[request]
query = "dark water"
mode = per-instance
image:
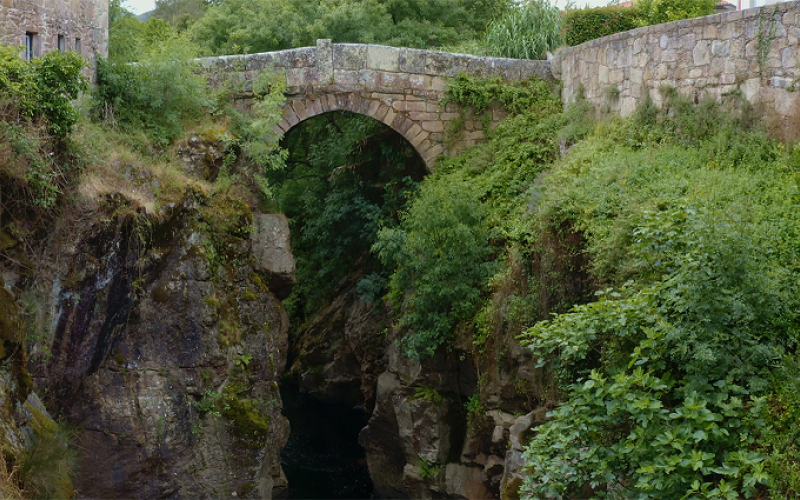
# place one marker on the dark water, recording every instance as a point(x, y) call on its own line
point(322, 459)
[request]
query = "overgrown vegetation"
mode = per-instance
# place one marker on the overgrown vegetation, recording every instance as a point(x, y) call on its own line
point(582, 25)
point(347, 177)
point(527, 31)
point(157, 94)
point(667, 373)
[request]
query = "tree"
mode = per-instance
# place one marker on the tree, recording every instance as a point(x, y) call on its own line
point(180, 13)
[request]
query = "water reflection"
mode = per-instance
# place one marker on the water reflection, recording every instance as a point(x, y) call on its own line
point(322, 459)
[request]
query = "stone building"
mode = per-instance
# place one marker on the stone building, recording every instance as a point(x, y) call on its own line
point(41, 26)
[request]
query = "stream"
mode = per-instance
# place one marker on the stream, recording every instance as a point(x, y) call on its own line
point(322, 459)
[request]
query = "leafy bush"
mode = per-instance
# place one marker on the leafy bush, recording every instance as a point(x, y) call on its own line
point(159, 91)
point(48, 461)
point(582, 25)
point(43, 88)
point(346, 177)
point(441, 256)
point(667, 374)
point(663, 11)
point(248, 26)
point(526, 31)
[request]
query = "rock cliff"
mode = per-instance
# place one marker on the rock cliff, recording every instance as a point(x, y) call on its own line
point(453, 426)
point(166, 350)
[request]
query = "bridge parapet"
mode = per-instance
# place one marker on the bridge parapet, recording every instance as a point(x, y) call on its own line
point(400, 87)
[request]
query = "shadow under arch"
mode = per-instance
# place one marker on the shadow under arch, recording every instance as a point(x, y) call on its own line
point(369, 171)
point(298, 109)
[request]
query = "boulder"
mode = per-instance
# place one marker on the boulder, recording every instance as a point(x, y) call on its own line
point(271, 249)
point(465, 482)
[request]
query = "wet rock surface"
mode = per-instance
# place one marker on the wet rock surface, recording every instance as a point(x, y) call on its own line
point(167, 350)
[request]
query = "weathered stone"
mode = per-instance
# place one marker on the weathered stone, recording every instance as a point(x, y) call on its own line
point(270, 242)
point(465, 482)
point(349, 57)
point(383, 58)
point(78, 26)
point(130, 370)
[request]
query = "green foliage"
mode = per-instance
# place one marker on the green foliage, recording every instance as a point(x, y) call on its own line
point(428, 470)
point(48, 460)
point(666, 374)
point(428, 393)
point(38, 118)
point(663, 11)
point(256, 135)
point(582, 25)
point(475, 411)
point(441, 256)
point(180, 13)
point(246, 26)
point(243, 361)
point(347, 176)
point(779, 440)
point(530, 96)
point(160, 91)
point(526, 31)
point(208, 403)
point(43, 88)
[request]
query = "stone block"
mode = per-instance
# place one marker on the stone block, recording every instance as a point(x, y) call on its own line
point(416, 82)
point(404, 106)
point(259, 61)
point(298, 58)
point(298, 77)
point(444, 64)
point(701, 55)
point(465, 482)
point(388, 119)
point(349, 57)
point(422, 116)
point(347, 78)
point(433, 126)
point(720, 48)
point(369, 79)
point(270, 246)
point(788, 58)
point(412, 60)
point(394, 80)
point(383, 58)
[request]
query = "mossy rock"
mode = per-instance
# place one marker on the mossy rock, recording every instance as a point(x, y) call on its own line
point(10, 324)
point(249, 422)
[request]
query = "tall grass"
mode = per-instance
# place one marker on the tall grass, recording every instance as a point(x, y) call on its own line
point(526, 32)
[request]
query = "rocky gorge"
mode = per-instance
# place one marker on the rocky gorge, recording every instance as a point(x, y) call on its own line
point(161, 339)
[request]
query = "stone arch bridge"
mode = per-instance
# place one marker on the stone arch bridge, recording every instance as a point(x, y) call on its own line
point(400, 87)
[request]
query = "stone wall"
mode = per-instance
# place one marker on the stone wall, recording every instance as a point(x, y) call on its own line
point(400, 87)
point(84, 20)
point(754, 51)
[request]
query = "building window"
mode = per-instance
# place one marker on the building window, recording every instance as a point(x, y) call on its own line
point(62, 43)
point(78, 45)
point(31, 42)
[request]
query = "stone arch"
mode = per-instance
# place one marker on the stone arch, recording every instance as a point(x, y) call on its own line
point(301, 108)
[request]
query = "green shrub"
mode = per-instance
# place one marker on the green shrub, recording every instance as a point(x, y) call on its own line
point(663, 11)
point(668, 374)
point(441, 260)
point(346, 177)
point(43, 88)
point(157, 94)
point(526, 31)
point(48, 461)
point(582, 25)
